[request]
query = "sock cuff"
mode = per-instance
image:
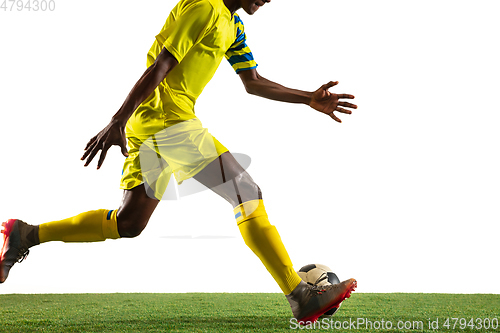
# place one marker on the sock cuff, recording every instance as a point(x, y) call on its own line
point(291, 282)
point(249, 210)
point(110, 225)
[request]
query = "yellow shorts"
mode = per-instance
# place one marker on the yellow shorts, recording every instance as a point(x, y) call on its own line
point(183, 149)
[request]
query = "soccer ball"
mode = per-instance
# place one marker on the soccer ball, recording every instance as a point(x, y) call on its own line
point(319, 275)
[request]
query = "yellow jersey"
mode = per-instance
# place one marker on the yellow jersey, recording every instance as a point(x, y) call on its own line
point(199, 34)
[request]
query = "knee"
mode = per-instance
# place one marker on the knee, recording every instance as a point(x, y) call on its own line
point(129, 226)
point(247, 188)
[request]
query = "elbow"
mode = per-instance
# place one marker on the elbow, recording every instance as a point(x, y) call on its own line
point(252, 81)
point(251, 87)
point(250, 90)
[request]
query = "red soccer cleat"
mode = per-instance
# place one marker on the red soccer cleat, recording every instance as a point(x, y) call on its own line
point(14, 246)
point(310, 302)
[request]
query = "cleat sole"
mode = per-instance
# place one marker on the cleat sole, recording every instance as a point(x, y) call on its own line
point(353, 285)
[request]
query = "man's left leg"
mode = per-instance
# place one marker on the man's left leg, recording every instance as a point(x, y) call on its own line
point(92, 226)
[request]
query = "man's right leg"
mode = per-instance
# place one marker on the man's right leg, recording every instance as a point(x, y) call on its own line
point(128, 221)
point(228, 179)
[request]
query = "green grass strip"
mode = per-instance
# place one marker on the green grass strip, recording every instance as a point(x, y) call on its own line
point(228, 312)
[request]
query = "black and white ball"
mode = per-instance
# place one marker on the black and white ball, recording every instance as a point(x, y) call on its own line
point(319, 275)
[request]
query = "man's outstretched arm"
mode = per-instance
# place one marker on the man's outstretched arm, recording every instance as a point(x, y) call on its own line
point(321, 100)
point(114, 133)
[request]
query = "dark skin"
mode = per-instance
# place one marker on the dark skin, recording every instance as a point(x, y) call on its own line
point(137, 207)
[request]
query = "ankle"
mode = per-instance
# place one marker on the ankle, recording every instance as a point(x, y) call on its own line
point(29, 234)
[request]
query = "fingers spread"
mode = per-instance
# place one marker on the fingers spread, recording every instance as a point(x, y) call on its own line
point(330, 84)
point(101, 159)
point(93, 152)
point(343, 110)
point(348, 105)
point(90, 142)
point(103, 155)
point(88, 150)
point(334, 117)
point(345, 96)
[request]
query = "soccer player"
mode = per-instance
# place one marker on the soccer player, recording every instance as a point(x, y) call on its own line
point(164, 136)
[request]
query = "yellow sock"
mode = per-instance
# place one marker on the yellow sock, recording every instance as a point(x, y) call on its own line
point(263, 239)
point(93, 226)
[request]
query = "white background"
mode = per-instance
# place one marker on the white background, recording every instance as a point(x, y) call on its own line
point(403, 195)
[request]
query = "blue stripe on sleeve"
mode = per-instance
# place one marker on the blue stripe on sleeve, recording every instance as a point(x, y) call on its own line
point(239, 38)
point(244, 69)
point(240, 58)
point(237, 19)
point(239, 47)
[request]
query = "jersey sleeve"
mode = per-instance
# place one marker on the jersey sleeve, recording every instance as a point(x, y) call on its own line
point(186, 27)
point(239, 55)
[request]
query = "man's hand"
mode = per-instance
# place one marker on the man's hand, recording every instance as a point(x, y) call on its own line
point(327, 102)
point(113, 134)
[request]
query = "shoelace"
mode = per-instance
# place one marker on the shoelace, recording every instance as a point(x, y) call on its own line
point(23, 253)
point(318, 290)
